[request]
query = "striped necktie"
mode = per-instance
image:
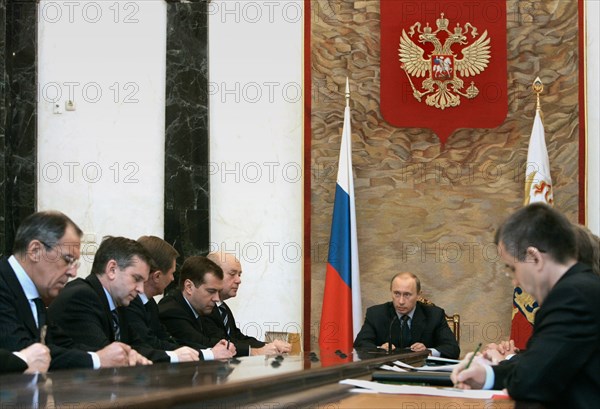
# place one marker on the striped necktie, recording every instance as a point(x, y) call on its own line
point(225, 318)
point(116, 326)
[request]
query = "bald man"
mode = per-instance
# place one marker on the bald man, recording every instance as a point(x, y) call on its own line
point(221, 322)
point(407, 322)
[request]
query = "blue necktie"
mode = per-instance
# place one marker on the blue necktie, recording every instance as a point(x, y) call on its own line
point(404, 332)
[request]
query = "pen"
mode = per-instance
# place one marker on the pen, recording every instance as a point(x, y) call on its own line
point(473, 356)
point(227, 343)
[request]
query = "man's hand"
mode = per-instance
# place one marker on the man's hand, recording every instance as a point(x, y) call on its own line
point(273, 348)
point(220, 351)
point(417, 347)
point(471, 378)
point(114, 355)
point(282, 346)
point(499, 352)
point(187, 354)
point(135, 358)
point(37, 357)
point(386, 346)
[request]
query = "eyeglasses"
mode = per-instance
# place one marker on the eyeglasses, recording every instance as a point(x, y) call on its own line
point(71, 261)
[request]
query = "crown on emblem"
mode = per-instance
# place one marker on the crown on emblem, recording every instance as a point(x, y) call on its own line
point(442, 22)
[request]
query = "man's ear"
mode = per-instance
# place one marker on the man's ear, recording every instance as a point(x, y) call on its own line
point(534, 255)
point(34, 251)
point(111, 269)
point(155, 276)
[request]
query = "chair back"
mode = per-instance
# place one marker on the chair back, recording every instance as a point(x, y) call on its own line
point(452, 320)
point(293, 338)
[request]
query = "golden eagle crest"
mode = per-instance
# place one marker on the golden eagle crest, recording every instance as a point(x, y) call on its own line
point(443, 86)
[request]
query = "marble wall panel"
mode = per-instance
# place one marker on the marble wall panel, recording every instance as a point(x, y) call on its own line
point(428, 208)
point(186, 135)
point(17, 117)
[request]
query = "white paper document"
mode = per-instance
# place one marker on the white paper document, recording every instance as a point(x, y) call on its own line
point(370, 387)
point(392, 368)
point(434, 368)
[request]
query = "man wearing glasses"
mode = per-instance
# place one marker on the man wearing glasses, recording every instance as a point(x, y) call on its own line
point(45, 255)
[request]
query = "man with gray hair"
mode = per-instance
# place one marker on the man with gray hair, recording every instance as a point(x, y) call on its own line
point(45, 255)
point(221, 322)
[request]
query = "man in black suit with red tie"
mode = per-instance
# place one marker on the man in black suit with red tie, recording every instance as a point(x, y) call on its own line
point(45, 255)
point(220, 323)
point(560, 367)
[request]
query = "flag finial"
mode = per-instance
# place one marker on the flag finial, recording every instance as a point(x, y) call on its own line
point(538, 87)
point(347, 92)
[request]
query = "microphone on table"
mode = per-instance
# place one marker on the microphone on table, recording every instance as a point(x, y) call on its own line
point(390, 333)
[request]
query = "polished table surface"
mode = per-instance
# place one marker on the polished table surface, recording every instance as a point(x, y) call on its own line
point(232, 382)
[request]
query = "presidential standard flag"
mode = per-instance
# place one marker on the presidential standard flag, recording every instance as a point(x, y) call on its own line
point(342, 308)
point(538, 188)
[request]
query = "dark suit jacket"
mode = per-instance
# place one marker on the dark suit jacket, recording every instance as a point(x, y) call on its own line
point(214, 327)
point(83, 312)
point(178, 318)
point(428, 326)
point(145, 322)
point(561, 365)
point(9, 362)
point(20, 331)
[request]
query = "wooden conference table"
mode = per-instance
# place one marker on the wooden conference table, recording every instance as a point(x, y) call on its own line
point(306, 380)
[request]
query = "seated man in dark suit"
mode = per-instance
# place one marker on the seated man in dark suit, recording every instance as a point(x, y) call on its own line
point(221, 322)
point(200, 281)
point(45, 255)
point(407, 323)
point(89, 311)
point(142, 312)
point(35, 358)
point(561, 365)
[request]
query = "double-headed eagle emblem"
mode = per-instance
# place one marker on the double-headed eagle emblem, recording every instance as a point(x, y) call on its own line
point(443, 87)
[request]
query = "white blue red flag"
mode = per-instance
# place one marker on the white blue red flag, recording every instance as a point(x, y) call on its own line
point(342, 307)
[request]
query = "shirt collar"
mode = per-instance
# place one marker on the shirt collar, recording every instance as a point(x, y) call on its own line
point(410, 313)
point(191, 308)
point(144, 298)
point(31, 291)
point(111, 302)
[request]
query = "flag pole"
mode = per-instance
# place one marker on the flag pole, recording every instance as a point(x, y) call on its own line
point(347, 92)
point(538, 87)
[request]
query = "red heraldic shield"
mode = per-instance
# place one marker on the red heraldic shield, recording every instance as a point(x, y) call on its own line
point(443, 64)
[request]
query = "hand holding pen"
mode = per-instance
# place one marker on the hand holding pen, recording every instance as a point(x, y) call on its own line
point(470, 374)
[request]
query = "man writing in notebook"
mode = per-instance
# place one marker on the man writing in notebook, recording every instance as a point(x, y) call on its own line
point(561, 365)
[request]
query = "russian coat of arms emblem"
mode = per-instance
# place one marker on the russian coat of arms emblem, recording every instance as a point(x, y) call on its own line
point(442, 68)
point(443, 64)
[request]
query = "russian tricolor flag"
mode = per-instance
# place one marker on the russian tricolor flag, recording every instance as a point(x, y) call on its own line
point(342, 308)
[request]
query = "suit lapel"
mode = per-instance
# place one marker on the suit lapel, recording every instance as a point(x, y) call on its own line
point(23, 305)
point(96, 285)
point(197, 321)
point(418, 323)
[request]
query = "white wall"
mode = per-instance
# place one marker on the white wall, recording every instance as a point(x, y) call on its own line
point(256, 57)
point(593, 119)
point(102, 164)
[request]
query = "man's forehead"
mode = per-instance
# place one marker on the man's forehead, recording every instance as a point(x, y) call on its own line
point(138, 266)
point(211, 281)
point(404, 283)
